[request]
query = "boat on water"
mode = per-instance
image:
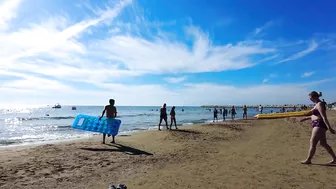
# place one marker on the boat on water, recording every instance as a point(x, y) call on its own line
point(57, 106)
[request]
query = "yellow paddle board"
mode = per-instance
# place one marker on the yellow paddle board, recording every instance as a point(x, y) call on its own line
point(283, 115)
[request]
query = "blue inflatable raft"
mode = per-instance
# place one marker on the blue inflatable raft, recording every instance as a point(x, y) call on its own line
point(93, 124)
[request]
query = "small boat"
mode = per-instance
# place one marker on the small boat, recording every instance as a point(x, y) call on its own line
point(73, 108)
point(57, 106)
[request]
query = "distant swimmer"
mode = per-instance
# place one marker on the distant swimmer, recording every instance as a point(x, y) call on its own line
point(233, 113)
point(163, 115)
point(172, 117)
point(320, 126)
point(215, 112)
point(111, 112)
point(245, 112)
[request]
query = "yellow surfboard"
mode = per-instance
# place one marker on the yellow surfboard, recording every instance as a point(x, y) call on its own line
point(282, 115)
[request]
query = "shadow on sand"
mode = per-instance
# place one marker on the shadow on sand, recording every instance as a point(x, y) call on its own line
point(325, 165)
point(185, 131)
point(119, 148)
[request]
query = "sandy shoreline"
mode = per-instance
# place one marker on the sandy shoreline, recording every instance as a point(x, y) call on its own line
point(233, 154)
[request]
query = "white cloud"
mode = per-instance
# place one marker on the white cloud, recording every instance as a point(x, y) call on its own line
point(7, 12)
point(52, 48)
point(166, 56)
point(268, 58)
point(46, 55)
point(48, 39)
point(259, 31)
point(312, 47)
point(270, 76)
point(175, 79)
point(32, 83)
point(307, 74)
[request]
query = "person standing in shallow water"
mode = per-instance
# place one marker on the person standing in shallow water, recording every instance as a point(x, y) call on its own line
point(111, 112)
point(172, 117)
point(245, 112)
point(320, 126)
point(224, 113)
point(163, 115)
point(215, 112)
point(233, 112)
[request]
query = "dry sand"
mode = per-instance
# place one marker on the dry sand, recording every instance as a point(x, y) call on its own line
point(239, 154)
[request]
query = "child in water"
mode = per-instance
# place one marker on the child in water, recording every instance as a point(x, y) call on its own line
point(111, 112)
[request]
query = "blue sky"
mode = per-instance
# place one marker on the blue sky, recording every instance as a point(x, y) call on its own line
point(145, 52)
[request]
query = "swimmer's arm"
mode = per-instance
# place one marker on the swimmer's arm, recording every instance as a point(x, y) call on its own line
point(323, 115)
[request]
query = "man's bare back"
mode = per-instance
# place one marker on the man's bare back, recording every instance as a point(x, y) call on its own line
point(111, 111)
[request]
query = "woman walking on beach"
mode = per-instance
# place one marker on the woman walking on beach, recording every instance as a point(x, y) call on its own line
point(172, 117)
point(320, 126)
point(163, 116)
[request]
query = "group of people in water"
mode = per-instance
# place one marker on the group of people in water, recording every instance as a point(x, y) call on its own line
point(231, 111)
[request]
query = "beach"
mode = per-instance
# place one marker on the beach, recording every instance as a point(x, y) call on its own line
point(45, 124)
point(232, 154)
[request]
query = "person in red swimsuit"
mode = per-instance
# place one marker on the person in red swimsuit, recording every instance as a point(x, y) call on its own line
point(320, 126)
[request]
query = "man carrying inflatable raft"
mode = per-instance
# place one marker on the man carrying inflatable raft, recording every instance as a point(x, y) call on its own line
point(107, 125)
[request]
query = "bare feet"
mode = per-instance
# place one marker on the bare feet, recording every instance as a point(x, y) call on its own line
point(306, 162)
point(103, 142)
point(113, 142)
point(159, 129)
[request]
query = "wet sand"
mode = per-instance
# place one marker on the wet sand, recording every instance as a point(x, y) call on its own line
point(233, 154)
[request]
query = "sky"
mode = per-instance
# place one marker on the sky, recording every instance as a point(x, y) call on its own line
point(145, 52)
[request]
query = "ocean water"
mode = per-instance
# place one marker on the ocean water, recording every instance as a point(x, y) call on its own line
point(33, 125)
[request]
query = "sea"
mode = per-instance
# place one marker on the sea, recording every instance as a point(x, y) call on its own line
point(24, 126)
